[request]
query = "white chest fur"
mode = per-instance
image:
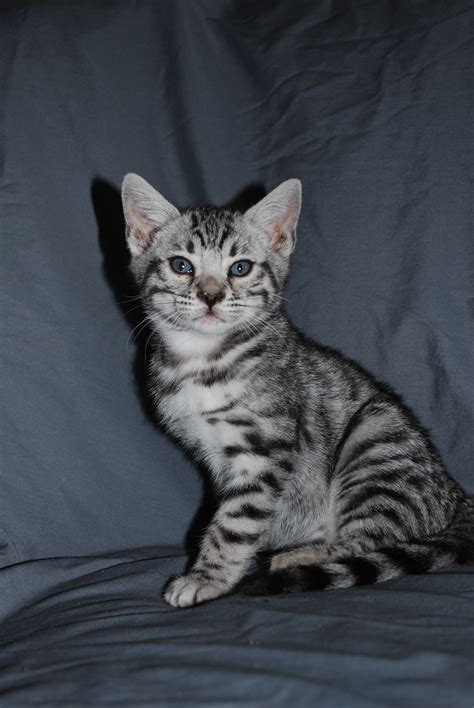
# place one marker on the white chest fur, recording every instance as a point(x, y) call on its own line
point(188, 413)
point(197, 400)
point(188, 402)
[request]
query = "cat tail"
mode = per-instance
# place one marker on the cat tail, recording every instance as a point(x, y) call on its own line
point(453, 545)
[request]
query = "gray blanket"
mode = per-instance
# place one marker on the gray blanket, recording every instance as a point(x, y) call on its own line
point(370, 105)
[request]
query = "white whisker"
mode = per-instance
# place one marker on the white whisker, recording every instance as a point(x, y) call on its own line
point(136, 331)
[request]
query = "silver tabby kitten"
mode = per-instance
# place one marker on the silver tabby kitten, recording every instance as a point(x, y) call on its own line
point(311, 457)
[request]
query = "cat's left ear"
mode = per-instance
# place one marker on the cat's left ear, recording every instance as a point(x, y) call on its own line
point(277, 214)
point(146, 212)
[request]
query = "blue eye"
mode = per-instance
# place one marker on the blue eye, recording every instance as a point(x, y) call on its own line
point(241, 268)
point(181, 265)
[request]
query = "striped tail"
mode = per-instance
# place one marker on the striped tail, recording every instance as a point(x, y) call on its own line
point(453, 545)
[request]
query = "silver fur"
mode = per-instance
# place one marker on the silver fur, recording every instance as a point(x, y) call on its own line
point(309, 455)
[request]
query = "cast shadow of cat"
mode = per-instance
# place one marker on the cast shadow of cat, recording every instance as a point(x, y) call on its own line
point(107, 206)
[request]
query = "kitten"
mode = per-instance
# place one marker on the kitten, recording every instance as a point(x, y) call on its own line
point(311, 458)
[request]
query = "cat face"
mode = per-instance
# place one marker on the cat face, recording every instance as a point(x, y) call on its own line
point(209, 270)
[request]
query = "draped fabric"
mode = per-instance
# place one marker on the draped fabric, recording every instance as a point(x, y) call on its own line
point(369, 103)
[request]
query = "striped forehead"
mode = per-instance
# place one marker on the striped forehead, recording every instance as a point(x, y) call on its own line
point(211, 228)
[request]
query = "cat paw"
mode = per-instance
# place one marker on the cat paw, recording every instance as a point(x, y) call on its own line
point(189, 590)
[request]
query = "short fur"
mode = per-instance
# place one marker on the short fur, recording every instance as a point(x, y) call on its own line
point(312, 459)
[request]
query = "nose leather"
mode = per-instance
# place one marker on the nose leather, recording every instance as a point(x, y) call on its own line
point(210, 291)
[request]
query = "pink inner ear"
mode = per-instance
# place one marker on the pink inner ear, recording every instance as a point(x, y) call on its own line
point(283, 230)
point(145, 236)
point(279, 237)
point(141, 229)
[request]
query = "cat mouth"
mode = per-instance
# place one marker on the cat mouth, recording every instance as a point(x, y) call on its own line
point(210, 317)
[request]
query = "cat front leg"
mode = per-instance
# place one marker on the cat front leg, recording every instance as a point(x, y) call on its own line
point(233, 537)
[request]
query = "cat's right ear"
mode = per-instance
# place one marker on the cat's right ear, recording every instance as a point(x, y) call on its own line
point(145, 211)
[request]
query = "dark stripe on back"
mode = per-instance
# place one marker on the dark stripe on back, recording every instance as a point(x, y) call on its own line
point(374, 462)
point(396, 437)
point(417, 481)
point(325, 427)
point(372, 492)
point(397, 519)
point(377, 475)
point(353, 388)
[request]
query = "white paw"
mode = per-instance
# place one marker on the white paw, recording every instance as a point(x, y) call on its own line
point(188, 590)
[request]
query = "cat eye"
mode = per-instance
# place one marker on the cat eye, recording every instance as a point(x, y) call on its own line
point(181, 265)
point(240, 268)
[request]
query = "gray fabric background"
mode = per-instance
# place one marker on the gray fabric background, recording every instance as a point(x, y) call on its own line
point(367, 103)
point(370, 105)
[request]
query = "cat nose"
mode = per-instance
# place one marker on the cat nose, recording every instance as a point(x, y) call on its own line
point(210, 291)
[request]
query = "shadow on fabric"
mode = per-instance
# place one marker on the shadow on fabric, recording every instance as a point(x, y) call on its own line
point(108, 211)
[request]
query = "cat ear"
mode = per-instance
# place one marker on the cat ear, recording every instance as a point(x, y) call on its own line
point(277, 215)
point(145, 210)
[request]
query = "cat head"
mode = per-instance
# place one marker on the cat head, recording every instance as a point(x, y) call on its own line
point(209, 270)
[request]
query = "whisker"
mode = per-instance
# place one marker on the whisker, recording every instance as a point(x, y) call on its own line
point(146, 345)
point(265, 323)
point(173, 320)
point(133, 308)
point(129, 299)
point(136, 331)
